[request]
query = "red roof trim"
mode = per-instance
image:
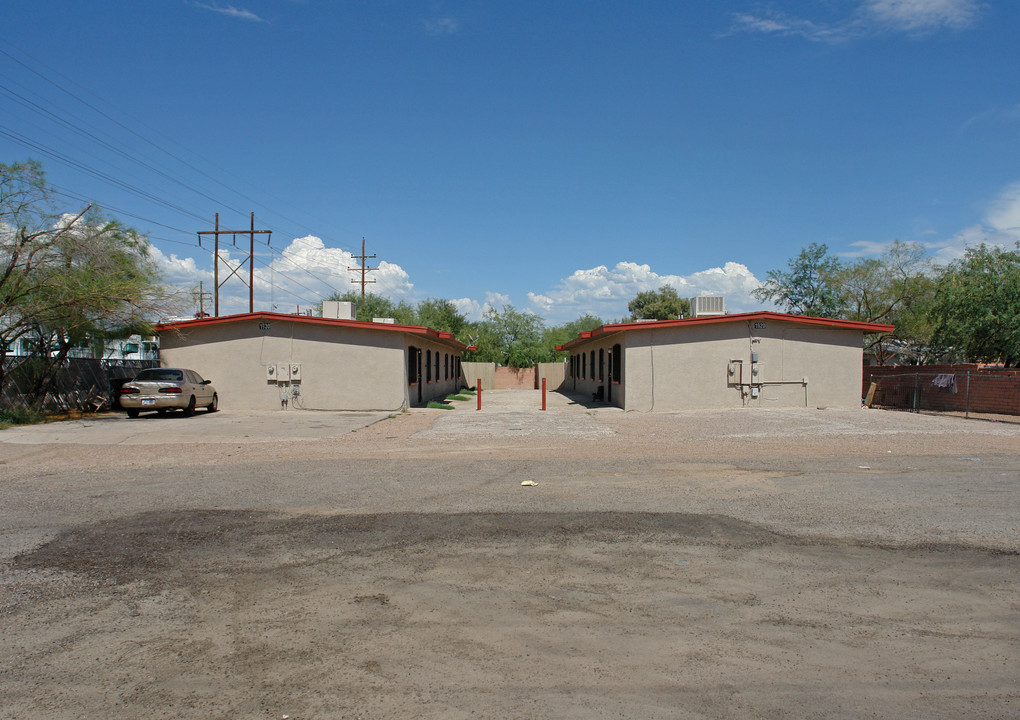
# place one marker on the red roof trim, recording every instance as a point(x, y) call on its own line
point(444, 337)
point(864, 327)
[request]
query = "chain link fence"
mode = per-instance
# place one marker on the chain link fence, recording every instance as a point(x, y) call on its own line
point(944, 389)
point(81, 383)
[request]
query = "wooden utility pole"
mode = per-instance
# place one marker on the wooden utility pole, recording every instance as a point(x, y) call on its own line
point(201, 295)
point(234, 270)
point(363, 269)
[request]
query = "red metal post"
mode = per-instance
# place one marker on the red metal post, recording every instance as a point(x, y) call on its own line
point(543, 393)
point(478, 392)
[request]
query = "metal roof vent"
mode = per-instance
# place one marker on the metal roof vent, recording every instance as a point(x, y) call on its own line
point(708, 305)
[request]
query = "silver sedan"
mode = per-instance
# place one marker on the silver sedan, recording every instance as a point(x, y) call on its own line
point(163, 389)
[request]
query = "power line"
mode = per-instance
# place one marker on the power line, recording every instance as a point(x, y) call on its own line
point(75, 164)
point(132, 131)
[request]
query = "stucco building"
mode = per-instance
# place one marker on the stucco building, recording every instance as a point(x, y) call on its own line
point(759, 359)
point(265, 361)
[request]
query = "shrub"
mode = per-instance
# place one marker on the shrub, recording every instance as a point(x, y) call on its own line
point(20, 416)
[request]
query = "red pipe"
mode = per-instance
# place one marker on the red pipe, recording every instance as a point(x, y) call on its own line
point(543, 393)
point(478, 391)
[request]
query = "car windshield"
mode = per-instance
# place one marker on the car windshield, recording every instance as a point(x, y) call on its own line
point(159, 375)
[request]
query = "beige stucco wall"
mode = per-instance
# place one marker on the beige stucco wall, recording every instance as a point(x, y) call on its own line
point(613, 393)
point(437, 386)
point(554, 373)
point(341, 368)
point(484, 371)
point(686, 367)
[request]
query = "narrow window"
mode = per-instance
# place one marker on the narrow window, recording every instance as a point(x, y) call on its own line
point(602, 364)
point(428, 366)
point(412, 365)
point(617, 362)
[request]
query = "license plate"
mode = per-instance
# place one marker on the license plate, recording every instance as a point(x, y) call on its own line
point(148, 401)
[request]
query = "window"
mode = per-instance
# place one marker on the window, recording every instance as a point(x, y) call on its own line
point(591, 365)
point(614, 369)
point(428, 366)
point(437, 366)
point(412, 365)
point(584, 365)
point(160, 375)
point(602, 364)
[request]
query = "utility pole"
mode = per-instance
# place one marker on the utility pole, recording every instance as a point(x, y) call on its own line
point(363, 269)
point(234, 270)
point(201, 295)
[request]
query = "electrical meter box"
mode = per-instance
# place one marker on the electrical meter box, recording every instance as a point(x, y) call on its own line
point(295, 371)
point(271, 371)
point(283, 372)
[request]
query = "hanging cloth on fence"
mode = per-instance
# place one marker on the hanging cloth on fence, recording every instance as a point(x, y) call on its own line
point(946, 381)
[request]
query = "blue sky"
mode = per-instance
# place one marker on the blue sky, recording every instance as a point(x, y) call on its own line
point(559, 156)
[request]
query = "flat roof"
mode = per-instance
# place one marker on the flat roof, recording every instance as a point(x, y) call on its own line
point(439, 336)
point(864, 327)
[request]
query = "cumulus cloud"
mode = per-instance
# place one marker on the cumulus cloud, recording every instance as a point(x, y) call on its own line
point(182, 271)
point(298, 277)
point(605, 291)
point(868, 18)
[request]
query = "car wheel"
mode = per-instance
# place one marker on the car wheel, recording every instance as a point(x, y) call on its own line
point(190, 410)
point(215, 404)
point(132, 413)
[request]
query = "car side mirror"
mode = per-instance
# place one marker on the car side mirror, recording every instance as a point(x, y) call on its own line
point(207, 382)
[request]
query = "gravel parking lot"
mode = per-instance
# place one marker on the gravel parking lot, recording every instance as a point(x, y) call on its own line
point(751, 563)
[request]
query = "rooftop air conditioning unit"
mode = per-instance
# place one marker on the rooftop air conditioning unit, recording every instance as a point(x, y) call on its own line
point(708, 305)
point(389, 321)
point(337, 310)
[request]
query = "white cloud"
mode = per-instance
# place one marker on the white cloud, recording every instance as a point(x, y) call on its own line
point(1001, 227)
point(605, 292)
point(232, 11)
point(442, 26)
point(1004, 212)
point(921, 15)
point(870, 17)
point(299, 276)
point(180, 271)
point(774, 22)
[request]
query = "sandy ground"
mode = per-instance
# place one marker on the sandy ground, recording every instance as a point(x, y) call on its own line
point(774, 564)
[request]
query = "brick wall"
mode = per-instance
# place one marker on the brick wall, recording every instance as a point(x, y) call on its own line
point(977, 389)
point(508, 378)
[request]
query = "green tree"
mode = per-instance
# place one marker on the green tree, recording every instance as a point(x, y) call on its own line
point(976, 309)
point(440, 315)
point(661, 304)
point(809, 287)
point(562, 334)
point(68, 279)
point(896, 288)
point(509, 337)
point(377, 306)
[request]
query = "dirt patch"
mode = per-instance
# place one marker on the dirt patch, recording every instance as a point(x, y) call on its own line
point(255, 614)
point(694, 565)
